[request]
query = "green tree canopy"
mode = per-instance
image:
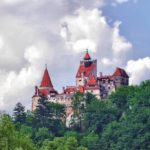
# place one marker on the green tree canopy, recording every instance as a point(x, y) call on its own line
point(19, 113)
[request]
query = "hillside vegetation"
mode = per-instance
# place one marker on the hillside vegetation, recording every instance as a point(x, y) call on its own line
point(122, 122)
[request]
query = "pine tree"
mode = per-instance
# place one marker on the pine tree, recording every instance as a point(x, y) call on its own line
point(42, 113)
point(19, 113)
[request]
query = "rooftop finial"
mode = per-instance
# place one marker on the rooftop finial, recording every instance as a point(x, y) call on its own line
point(46, 66)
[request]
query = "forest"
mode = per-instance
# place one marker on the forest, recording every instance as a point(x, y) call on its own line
point(122, 122)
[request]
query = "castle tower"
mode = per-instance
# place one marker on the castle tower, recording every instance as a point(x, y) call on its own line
point(92, 87)
point(120, 77)
point(45, 89)
point(87, 68)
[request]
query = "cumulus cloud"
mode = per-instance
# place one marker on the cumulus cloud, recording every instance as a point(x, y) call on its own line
point(88, 29)
point(119, 43)
point(138, 70)
point(30, 38)
point(35, 32)
point(15, 85)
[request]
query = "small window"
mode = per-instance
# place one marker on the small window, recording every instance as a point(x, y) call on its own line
point(103, 81)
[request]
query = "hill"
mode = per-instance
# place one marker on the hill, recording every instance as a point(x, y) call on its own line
point(120, 122)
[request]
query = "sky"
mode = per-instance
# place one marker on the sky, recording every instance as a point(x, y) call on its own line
point(57, 33)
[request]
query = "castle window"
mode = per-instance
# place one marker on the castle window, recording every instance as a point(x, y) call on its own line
point(103, 81)
point(117, 79)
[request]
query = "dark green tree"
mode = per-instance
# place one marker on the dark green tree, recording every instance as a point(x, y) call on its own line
point(133, 127)
point(91, 141)
point(42, 115)
point(78, 105)
point(41, 135)
point(97, 115)
point(49, 115)
point(19, 113)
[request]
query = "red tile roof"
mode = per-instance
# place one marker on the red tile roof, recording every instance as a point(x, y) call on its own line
point(81, 89)
point(46, 81)
point(87, 56)
point(120, 72)
point(44, 92)
point(105, 77)
point(70, 90)
point(85, 70)
point(92, 88)
point(92, 81)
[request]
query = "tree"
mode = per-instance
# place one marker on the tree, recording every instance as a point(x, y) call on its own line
point(132, 128)
point(42, 115)
point(71, 144)
point(89, 98)
point(62, 143)
point(49, 115)
point(10, 138)
point(41, 135)
point(90, 141)
point(78, 105)
point(97, 115)
point(19, 113)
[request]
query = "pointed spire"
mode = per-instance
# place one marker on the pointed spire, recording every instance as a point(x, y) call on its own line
point(87, 56)
point(46, 81)
point(92, 81)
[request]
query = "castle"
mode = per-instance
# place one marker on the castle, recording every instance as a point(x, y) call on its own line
point(87, 81)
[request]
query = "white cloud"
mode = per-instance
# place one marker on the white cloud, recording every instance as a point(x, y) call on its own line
point(119, 43)
point(109, 62)
point(88, 29)
point(1, 43)
point(138, 70)
point(30, 36)
point(119, 2)
point(83, 29)
point(11, 2)
point(15, 85)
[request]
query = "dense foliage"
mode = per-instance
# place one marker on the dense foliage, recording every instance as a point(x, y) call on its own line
point(122, 122)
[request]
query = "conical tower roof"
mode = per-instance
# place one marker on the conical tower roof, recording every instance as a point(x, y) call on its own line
point(92, 81)
point(87, 56)
point(46, 80)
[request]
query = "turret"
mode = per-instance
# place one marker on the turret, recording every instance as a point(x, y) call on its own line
point(120, 77)
point(87, 59)
point(46, 89)
point(87, 68)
